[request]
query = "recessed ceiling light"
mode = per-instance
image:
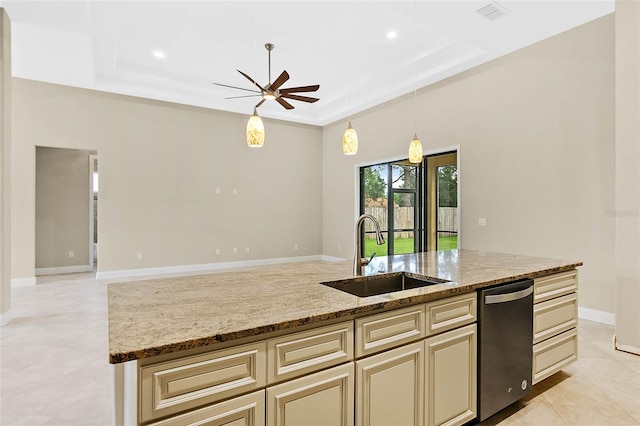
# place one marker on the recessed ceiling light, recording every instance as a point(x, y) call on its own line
point(392, 34)
point(158, 54)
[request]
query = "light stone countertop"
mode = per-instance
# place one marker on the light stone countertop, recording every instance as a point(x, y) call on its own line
point(161, 316)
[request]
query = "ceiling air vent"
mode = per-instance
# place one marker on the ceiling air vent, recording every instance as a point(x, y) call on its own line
point(492, 11)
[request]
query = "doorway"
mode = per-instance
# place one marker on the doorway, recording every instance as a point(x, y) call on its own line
point(441, 176)
point(415, 204)
point(93, 211)
point(65, 210)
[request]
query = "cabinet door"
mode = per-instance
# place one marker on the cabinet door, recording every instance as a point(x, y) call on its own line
point(247, 410)
point(389, 388)
point(320, 399)
point(450, 391)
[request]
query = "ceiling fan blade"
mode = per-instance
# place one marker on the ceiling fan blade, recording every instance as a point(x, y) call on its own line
point(244, 96)
point(260, 103)
point(284, 103)
point(236, 87)
point(282, 78)
point(299, 98)
point(251, 80)
point(300, 89)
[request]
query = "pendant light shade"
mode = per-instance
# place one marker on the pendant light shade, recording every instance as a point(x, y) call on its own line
point(415, 150)
point(350, 141)
point(255, 131)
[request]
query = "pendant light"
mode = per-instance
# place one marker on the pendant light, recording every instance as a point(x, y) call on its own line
point(415, 150)
point(350, 137)
point(255, 130)
point(350, 141)
point(415, 147)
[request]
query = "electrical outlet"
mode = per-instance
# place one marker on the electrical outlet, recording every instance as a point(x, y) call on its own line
point(482, 221)
point(71, 253)
point(217, 251)
point(235, 250)
point(235, 191)
point(246, 250)
point(339, 247)
point(218, 191)
point(139, 256)
point(295, 247)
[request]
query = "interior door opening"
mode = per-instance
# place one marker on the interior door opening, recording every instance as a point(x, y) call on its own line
point(93, 211)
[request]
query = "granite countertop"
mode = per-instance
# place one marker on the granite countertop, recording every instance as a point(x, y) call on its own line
point(160, 316)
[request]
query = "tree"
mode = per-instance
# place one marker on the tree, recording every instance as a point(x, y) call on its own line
point(448, 186)
point(407, 180)
point(374, 186)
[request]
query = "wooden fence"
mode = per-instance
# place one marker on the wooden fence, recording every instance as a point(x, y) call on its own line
point(403, 219)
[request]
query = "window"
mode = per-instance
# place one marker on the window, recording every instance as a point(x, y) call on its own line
point(416, 205)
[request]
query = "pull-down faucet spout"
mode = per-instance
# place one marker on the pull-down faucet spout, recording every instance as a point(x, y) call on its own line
point(358, 261)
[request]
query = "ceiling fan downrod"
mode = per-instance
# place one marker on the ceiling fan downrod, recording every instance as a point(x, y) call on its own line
point(269, 47)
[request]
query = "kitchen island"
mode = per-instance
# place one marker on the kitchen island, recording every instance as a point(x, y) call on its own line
point(159, 323)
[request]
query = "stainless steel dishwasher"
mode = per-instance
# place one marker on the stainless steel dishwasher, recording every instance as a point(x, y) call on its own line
point(505, 336)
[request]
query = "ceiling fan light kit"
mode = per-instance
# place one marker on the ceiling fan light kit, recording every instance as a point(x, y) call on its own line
point(270, 92)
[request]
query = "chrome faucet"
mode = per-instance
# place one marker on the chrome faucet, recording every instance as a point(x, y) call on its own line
point(359, 262)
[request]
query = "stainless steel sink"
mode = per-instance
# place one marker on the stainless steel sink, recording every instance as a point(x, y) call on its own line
point(380, 284)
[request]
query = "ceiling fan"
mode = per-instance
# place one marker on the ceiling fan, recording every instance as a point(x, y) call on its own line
point(272, 91)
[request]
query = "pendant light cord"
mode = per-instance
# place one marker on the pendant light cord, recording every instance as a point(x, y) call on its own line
point(415, 77)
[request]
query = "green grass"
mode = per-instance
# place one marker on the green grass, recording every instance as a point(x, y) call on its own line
point(447, 243)
point(405, 245)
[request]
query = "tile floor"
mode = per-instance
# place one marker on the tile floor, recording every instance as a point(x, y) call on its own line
point(54, 369)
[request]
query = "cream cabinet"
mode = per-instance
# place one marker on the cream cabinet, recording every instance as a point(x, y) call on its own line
point(308, 351)
point(390, 387)
point(395, 387)
point(324, 398)
point(555, 320)
point(375, 333)
point(246, 410)
point(410, 366)
point(171, 387)
point(451, 366)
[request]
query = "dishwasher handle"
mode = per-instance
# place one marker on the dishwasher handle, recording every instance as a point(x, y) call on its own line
point(508, 297)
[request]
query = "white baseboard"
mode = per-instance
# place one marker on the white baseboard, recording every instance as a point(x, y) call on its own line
point(597, 316)
point(64, 270)
point(5, 318)
point(626, 348)
point(205, 267)
point(331, 258)
point(23, 282)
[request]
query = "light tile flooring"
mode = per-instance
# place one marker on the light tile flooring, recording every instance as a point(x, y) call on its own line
point(54, 368)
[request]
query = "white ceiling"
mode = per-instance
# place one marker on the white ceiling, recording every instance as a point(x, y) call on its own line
point(343, 46)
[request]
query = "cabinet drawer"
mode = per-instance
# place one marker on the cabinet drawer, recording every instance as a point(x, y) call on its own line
point(245, 410)
point(554, 316)
point(452, 312)
point(389, 329)
point(545, 288)
point(553, 354)
point(170, 387)
point(305, 352)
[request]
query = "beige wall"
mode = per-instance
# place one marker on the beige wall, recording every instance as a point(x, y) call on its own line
point(160, 165)
point(627, 176)
point(536, 136)
point(5, 166)
point(62, 207)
